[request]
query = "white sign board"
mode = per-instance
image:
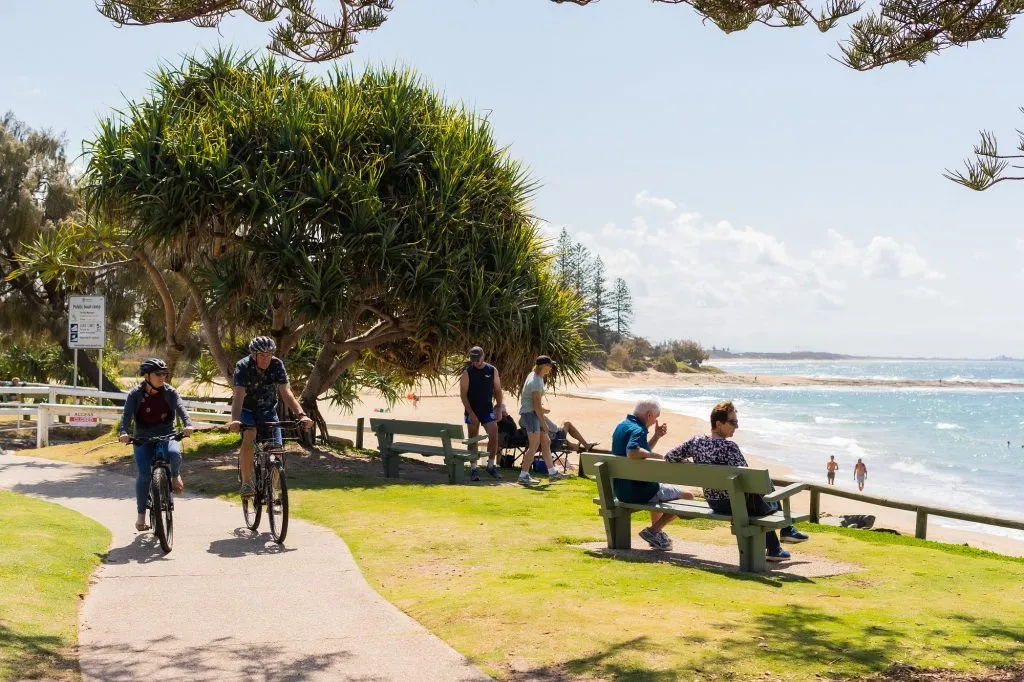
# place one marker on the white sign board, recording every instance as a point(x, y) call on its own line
point(83, 419)
point(87, 322)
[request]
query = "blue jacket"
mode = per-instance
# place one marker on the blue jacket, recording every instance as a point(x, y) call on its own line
point(131, 406)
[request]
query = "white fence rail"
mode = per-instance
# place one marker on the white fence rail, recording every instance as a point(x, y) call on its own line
point(203, 414)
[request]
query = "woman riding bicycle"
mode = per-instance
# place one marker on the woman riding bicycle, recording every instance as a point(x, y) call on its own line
point(153, 405)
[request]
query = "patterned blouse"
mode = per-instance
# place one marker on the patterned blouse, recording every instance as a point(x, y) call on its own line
point(709, 450)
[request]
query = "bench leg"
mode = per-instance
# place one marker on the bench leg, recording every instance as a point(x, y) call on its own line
point(390, 460)
point(456, 470)
point(758, 563)
point(617, 528)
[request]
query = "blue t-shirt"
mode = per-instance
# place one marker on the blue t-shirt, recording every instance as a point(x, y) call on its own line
point(631, 434)
point(260, 387)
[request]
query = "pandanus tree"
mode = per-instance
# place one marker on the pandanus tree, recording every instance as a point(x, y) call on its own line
point(359, 217)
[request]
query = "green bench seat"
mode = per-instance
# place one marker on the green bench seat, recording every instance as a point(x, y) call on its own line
point(737, 481)
point(454, 458)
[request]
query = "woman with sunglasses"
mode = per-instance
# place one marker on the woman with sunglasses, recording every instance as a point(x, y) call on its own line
point(153, 405)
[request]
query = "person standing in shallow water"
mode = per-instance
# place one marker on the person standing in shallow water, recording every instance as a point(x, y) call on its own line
point(860, 473)
point(831, 467)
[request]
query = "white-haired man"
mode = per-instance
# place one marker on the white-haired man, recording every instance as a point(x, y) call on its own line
point(630, 440)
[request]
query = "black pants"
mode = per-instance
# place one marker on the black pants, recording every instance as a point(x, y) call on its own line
point(756, 506)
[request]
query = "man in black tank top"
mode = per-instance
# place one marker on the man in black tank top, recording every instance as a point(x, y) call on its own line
point(480, 388)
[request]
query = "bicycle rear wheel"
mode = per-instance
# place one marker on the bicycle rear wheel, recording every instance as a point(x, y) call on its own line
point(277, 502)
point(162, 513)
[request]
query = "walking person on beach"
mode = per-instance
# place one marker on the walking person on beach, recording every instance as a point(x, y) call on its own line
point(716, 448)
point(480, 388)
point(531, 416)
point(831, 467)
point(860, 472)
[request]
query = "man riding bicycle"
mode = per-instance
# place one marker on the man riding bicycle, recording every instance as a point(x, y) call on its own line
point(152, 405)
point(260, 378)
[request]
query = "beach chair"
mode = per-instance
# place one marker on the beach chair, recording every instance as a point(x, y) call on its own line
point(512, 441)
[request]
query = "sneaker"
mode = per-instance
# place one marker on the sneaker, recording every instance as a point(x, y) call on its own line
point(791, 534)
point(474, 474)
point(655, 540)
point(665, 540)
point(493, 472)
point(526, 479)
point(556, 475)
point(248, 490)
point(780, 555)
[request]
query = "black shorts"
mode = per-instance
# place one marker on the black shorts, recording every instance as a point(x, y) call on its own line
point(485, 416)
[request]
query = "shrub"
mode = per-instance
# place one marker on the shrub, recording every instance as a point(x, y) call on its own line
point(667, 364)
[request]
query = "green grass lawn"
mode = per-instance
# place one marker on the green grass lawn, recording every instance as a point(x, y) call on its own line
point(46, 555)
point(496, 571)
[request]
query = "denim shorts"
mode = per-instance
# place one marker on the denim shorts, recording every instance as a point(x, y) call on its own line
point(530, 422)
point(248, 417)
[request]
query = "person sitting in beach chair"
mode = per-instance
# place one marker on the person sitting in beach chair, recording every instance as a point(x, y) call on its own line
point(561, 446)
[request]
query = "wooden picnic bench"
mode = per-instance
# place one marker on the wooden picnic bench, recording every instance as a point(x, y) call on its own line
point(737, 481)
point(454, 459)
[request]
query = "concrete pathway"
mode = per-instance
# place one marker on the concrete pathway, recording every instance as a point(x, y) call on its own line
point(227, 604)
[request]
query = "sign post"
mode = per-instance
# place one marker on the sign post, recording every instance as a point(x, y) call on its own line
point(87, 328)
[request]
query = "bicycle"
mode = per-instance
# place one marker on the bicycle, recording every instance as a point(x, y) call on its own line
point(270, 482)
point(160, 502)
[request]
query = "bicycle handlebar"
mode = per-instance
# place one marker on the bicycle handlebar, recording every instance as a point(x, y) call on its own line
point(269, 425)
point(177, 435)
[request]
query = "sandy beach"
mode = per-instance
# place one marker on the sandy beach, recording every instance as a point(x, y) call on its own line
point(596, 417)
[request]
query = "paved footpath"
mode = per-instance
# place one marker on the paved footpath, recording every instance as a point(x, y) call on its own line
point(225, 605)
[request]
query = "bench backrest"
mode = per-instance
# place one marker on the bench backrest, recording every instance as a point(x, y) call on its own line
point(409, 427)
point(746, 480)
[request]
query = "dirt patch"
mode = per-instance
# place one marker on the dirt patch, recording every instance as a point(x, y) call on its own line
point(909, 673)
point(724, 558)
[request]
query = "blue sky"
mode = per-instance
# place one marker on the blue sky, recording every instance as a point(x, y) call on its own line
point(754, 193)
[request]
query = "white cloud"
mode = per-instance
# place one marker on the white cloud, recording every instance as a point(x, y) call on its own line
point(643, 199)
point(827, 300)
point(1020, 245)
point(882, 258)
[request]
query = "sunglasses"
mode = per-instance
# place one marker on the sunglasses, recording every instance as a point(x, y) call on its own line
point(734, 422)
point(160, 374)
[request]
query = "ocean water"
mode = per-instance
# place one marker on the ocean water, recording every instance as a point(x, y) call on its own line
point(953, 371)
point(959, 447)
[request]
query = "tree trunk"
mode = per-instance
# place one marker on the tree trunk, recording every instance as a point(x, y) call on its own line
point(315, 385)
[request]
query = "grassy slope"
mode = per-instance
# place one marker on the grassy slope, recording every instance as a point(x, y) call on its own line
point(46, 555)
point(496, 572)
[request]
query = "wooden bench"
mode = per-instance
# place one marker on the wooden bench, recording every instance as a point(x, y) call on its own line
point(749, 530)
point(454, 459)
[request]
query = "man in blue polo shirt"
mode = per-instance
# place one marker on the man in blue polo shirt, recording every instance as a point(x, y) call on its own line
point(630, 440)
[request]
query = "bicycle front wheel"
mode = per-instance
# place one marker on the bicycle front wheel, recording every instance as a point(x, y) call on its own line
point(277, 502)
point(162, 513)
point(252, 507)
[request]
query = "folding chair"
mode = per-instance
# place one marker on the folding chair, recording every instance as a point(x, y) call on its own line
point(512, 442)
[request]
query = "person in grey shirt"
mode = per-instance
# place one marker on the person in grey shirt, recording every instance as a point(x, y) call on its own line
point(531, 416)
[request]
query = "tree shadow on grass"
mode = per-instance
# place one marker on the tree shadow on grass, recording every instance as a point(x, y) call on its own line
point(36, 656)
point(616, 662)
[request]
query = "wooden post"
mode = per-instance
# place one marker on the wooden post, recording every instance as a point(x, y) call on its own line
point(42, 427)
point(921, 532)
point(815, 505)
point(359, 433)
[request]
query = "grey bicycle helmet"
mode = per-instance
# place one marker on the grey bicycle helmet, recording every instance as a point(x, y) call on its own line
point(150, 365)
point(262, 344)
